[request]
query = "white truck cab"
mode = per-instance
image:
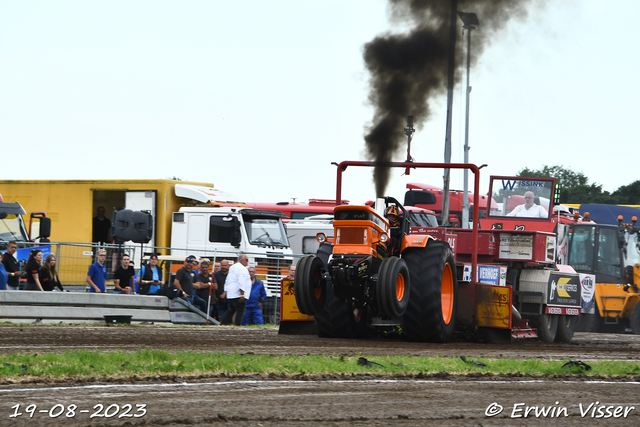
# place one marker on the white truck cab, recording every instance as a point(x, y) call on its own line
point(219, 225)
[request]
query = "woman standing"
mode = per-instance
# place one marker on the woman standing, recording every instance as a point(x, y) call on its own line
point(150, 278)
point(32, 268)
point(49, 275)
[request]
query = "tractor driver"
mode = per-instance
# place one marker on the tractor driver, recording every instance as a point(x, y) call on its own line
point(394, 216)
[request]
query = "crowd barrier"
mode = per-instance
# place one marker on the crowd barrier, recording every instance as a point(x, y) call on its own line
point(72, 307)
point(74, 259)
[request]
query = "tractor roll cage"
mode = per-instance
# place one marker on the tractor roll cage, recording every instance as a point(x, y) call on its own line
point(407, 165)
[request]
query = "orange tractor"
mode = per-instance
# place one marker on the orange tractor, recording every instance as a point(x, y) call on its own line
point(375, 274)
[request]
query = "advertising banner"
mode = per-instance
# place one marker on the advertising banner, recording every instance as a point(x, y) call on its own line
point(288, 306)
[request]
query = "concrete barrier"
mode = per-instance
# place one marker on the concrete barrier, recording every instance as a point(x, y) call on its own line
point(73, 307)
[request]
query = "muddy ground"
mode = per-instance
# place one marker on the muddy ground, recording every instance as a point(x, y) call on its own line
point(428, 399)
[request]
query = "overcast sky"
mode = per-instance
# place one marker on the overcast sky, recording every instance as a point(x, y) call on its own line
point(259, 97)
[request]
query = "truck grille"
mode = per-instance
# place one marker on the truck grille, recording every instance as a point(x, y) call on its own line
point(351, 236)
point(271, 271)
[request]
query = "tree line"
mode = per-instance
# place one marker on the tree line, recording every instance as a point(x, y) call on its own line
point(577, 189)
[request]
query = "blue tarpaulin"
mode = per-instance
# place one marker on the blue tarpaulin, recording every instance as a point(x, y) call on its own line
point(608, 214)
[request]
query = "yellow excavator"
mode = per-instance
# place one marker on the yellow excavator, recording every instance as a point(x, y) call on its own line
point(612, 254)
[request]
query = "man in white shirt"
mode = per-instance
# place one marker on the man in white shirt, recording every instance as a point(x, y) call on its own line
point(529, 209)
point(238, 288)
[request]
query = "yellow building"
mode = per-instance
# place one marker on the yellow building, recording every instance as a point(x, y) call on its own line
point(71, 205)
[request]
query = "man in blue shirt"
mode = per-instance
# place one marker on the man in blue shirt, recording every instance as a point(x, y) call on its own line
point(253, 315)
point(97, 274)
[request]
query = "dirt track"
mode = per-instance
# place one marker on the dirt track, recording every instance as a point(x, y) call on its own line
point(430, 399)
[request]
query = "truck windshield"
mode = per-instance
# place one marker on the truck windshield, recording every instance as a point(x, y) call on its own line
point(12, 229)
point(525, 197)
point(265, 231)
point(422, 219)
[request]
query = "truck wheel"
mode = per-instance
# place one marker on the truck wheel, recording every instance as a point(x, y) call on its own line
point(634, 319)
point(392, 288)
point(547, 325)
point(309, 287)
point(337, 320)
point(586, 323)
point(566, 327)
point(431, 311)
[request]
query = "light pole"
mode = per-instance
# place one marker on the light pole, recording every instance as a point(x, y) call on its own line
point(470, 21)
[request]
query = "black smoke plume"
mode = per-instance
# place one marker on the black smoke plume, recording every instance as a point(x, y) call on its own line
point(409, 71)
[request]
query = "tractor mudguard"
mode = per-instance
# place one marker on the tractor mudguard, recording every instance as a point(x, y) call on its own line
point(415, 241)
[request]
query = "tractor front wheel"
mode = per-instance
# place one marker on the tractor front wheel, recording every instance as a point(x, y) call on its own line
point(392, 288)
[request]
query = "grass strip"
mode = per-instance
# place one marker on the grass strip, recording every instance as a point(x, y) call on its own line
point(79, 364)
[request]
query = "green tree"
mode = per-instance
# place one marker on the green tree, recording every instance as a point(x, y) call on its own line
point(575, 187)
point(628, 194)
point(565, 177)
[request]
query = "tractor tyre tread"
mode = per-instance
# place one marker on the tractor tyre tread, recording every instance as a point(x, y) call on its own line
point(423, 320)
point(299, 286)
point(388, 304)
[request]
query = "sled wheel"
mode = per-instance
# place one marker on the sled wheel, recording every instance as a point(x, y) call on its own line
point(566, 327)
point(547, 325)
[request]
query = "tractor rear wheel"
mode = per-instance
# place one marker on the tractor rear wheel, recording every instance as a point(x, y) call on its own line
point(338, 319)
point(547, 325)
point(431, 311)
point(566, 327)
point(634, 319)
point(392, 288)
point(309, 287)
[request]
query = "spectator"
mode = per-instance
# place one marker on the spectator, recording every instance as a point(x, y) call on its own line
point(12, 266)
point(292, 272)
point(4, 277)
point(220, 294)
point(184, 282)
point(123, 278)
point(150, 279)
point(253, 315)
point(101, 227)
point(203, 286)
point(49, 275)
point(529, 209)
point(216, 267)
point(97, 274)
point(238, 287)
point(32, 268)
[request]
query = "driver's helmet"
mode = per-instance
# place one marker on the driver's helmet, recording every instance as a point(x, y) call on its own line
point(392, 213)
